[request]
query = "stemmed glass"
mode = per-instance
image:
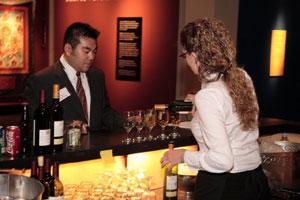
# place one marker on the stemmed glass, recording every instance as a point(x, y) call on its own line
point(128, 124)
point(139, 123)
point(163, 118)
point(149, 194)
point(150, 121)
point(175, 120)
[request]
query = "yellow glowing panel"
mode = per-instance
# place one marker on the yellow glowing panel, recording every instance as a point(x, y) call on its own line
point(277, 52)
point(150, 162)
point(77, 172)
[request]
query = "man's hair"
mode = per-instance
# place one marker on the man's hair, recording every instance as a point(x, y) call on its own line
point(77, 30)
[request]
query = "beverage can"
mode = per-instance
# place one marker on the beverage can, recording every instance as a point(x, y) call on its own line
point(2, 146)
point(12, 140)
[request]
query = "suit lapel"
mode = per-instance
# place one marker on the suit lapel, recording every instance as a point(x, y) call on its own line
point(93, 92)
point(64, 81)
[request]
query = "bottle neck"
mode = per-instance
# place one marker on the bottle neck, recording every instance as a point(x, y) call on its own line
point(41, 173)
point(56, 170)
point(25, 113)
point(47, 166)
point(55, 92)
point(55, 100)
point(171, 145)
point(33, 168)
point(42, 99)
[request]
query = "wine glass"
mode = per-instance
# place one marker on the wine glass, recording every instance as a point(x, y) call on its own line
point(128, 124)
point(149, 194)
point(175, 120)
point(150, 121)
point(163, 118)
point(139, 123)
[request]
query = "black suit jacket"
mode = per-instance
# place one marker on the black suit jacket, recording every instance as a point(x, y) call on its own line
point(101, 114)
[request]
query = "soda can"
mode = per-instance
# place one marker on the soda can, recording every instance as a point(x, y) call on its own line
point(12, 140)
point(2, 146)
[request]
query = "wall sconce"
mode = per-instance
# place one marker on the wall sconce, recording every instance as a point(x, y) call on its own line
point(277, 55)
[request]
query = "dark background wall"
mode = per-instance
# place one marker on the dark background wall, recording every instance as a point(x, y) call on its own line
point(278, 96)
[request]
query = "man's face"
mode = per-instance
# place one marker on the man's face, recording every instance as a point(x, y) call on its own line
point(83, 55)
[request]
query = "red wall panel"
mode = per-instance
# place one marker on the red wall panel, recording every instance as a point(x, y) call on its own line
point(159, 46)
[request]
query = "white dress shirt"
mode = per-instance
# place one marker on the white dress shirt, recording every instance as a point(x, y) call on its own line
point(223, 145)
point(71, 73)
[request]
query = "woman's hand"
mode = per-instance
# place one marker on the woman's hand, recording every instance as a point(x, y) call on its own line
point(172, 156)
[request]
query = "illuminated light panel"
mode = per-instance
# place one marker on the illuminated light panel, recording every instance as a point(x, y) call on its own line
point(277, 56)
point(150, 162)
point(77, 172)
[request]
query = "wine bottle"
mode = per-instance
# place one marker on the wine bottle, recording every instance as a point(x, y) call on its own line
point(33, 172)
point(25, 130)
point(41, 128)
point(48, 178)
point(45, 184)
point(56, 188)
point(56, 121)
point(180, 106)
point(170, 179)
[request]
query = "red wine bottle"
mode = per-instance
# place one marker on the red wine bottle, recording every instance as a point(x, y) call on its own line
point(48, 178)
point(56, 121)
point(41, 128)
point(45, 184)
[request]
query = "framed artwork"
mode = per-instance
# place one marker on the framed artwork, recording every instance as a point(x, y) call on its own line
point(15, 49)
point(14, 40)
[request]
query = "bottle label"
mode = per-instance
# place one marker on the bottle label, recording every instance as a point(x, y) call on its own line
point(58, 141)
point(171, 183)
point(56, 198)
point(33, 138)
point(171, 193)
point(58, 128)
point(44, 137)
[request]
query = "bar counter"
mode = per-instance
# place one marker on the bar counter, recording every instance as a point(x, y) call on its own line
point(94, 142)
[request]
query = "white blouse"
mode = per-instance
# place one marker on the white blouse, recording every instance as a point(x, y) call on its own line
point(223, 146)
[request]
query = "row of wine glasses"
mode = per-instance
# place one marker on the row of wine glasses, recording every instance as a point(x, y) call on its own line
point(140, 119)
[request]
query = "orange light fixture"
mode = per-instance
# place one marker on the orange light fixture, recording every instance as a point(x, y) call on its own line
point(278, 42)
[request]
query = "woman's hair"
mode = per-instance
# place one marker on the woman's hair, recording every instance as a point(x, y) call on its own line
point(209, 39)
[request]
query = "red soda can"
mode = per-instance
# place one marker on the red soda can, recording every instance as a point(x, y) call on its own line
point(12, 140)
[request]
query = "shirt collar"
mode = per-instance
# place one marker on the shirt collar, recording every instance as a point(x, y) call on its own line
point(71, 72)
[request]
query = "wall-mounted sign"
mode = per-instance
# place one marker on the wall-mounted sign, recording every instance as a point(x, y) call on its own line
point(129, 37)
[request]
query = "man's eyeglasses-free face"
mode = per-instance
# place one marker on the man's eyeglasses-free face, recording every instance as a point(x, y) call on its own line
point(183, 55)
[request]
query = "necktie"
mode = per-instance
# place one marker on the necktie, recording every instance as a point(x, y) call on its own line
point(81, 95)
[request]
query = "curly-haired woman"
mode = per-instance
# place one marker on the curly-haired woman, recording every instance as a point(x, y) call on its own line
point(225, 122)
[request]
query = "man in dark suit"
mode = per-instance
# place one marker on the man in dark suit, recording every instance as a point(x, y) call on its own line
point(82, 87)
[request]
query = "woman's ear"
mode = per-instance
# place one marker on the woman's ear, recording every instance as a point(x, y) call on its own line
point(194, 54)
point(68, 49)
